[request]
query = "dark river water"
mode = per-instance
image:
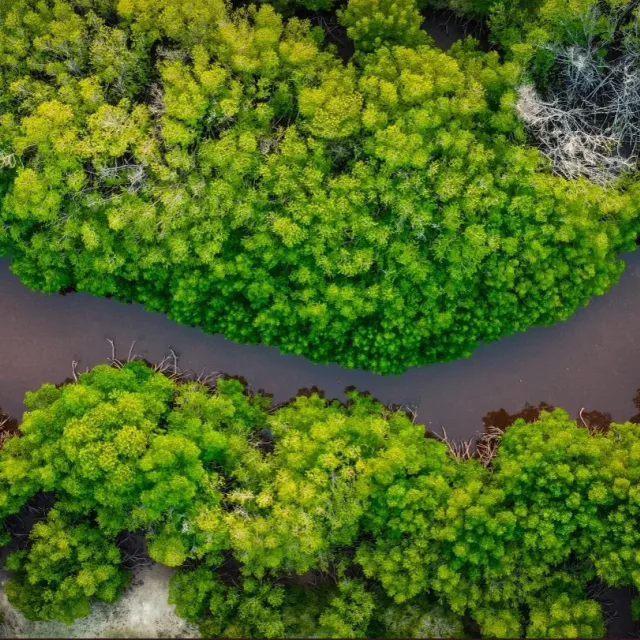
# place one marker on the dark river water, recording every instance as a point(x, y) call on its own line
point(590, 361)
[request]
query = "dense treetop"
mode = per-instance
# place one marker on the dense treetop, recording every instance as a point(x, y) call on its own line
point(316, 518)
point(226, 167)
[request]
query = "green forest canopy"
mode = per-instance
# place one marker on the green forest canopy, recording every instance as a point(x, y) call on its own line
point(228, 168)
point(316, 518)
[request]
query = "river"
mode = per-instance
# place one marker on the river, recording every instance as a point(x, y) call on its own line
point(589, 361)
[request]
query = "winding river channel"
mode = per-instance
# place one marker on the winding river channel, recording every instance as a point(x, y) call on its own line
point(591, 361)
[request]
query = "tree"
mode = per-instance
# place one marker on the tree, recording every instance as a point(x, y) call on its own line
point(383, 22)
point(261, 609)
point(222, 166)
point(315, 493)
point(316, 518)
point(67, 566)
point(564, 612)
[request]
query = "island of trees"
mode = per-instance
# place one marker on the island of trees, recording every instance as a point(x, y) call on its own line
point(225, 166)
point(317, 518)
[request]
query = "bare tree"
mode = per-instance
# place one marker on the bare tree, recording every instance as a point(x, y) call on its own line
point(588, 123)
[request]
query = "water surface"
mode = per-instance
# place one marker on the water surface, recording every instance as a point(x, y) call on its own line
point(589, 361)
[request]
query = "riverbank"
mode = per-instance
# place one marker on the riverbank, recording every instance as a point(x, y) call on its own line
point(588, 361)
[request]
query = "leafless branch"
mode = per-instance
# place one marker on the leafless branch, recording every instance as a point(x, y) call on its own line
point(589, 122)
point(208, 378)
point(460, 450)
point(4, 435)
point(487, 445)
point(113, 360)
point(169, 365)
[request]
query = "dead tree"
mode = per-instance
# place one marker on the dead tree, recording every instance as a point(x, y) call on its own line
point(588, 121)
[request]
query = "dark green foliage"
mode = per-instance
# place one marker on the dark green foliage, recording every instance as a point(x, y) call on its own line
point(222, 167)
point(260, 609)
point(559, 613)
point(317, 518)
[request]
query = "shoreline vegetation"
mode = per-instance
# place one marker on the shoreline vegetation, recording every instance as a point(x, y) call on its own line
point(308, 518)
point(226, 167)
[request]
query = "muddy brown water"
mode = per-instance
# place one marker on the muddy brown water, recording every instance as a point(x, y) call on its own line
point(590, 361)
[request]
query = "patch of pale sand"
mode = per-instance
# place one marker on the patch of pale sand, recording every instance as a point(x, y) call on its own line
point(141, 612)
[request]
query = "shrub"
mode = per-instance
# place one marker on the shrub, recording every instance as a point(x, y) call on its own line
point(316, 518)
point(222, 167)
point(373, 23)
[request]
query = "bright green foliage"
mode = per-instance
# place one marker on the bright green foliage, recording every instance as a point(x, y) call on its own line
point(373, 23)
point(556, 616)
point(551, 472)
point(614, 551)
point(529, 29)
point(347, 613)
point(491, 543)
point(87, 441)
point(316, 491)
point(261, 609)
point(208, 436)
point(420, 620)
point(411, 487)
point(222, 167)
point(67, 565)
point(316, 518)
point(563, 612)
point(103, 447)
point(256, 610)
point(508, 20)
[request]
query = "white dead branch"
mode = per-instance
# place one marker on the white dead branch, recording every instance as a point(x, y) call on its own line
point(588, 124)
point(487, 445)
point(459, 450)
point(7, 160)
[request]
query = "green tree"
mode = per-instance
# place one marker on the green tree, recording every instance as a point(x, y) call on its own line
point(316, 518)
point(373, 23)
point(224, 167)
point(68, 565)
point(564, 612)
